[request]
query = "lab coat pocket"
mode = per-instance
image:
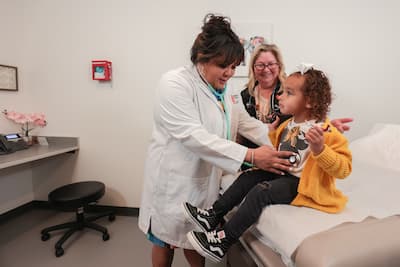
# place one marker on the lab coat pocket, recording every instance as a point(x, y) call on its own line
point(187, 189)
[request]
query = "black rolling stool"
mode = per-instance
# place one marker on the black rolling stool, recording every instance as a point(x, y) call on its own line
point(78, 196)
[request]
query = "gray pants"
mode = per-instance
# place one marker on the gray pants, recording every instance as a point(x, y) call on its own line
point(260, 189)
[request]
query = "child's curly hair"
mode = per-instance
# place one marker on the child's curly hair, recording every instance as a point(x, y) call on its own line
point(317, 90)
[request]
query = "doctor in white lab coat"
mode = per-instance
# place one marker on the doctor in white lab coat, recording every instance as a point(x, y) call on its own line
point(196, 121)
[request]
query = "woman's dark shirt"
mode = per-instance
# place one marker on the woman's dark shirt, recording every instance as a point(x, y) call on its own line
point(250, 105)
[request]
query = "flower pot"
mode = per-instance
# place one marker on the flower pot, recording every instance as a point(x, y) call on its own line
point(28, 139)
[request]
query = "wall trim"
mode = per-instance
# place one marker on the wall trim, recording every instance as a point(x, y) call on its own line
point(16, 211)
point(42, 204)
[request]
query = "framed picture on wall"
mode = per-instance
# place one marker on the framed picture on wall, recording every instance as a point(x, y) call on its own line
point(251, 34)
point(8, 78)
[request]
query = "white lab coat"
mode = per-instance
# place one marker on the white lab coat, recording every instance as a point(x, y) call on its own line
point(189, 152)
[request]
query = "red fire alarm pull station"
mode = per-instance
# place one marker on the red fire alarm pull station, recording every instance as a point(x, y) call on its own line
point(101, 70)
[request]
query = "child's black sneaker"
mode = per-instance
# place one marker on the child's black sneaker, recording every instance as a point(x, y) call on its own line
point(207, 220)
point(212, 245)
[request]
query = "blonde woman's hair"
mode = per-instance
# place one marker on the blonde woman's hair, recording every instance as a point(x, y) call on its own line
point(260, 49)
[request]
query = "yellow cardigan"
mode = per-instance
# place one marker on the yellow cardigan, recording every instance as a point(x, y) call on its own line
point(317, 182)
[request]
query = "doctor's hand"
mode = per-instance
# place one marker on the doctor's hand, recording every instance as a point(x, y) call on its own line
point(268, 159)
point(342, 124)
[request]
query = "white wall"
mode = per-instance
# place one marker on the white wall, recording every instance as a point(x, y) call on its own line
point(53, 42)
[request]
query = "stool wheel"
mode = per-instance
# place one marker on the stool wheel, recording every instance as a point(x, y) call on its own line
point(59, 252)
point(45, 237)
point(111, 218)
point(106, 236)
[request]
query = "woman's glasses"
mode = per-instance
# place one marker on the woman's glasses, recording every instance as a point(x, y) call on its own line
point(262, 66)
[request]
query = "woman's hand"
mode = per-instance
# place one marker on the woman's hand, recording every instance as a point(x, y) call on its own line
point(268, 159)
point(272, 126)
point(341, 124)
point(315, 138)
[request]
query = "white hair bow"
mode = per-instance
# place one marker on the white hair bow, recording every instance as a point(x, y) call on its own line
point(304, 67)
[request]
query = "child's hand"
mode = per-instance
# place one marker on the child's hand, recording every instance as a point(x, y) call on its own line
point(272, 126)
point(315, 138)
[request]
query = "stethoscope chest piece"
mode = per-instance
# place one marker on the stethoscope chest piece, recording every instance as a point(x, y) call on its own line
point(294, 159)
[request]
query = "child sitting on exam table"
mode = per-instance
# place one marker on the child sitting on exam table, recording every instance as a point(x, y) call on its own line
point(320, 154)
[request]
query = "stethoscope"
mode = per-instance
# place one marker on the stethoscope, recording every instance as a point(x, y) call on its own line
point(220, 95)
point(221, 98)
point(294, 159)
point(249, 104)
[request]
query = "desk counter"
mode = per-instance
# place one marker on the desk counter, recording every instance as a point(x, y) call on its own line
point(57, 145)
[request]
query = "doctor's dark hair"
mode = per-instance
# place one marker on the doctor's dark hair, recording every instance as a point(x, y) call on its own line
point(217, 41)
point(317, 90)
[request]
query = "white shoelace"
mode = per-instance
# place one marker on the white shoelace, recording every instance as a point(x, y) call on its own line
point(203, 212)
point(212, 237)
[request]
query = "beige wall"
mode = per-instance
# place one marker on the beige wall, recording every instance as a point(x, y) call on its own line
point(53, 43)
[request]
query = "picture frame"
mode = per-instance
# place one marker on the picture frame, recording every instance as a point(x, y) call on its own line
point(251, 34)
point(8, 78)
